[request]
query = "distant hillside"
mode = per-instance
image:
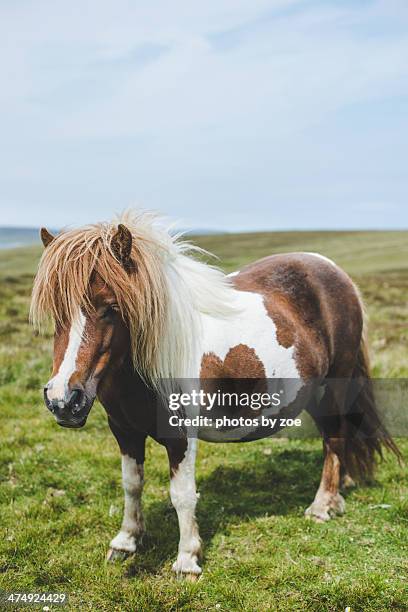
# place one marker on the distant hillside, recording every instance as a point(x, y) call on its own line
point(359, 253)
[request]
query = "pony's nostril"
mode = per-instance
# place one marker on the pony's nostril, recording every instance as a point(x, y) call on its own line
point(75, 400)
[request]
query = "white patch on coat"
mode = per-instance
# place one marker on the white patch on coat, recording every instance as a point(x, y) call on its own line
point(57, 387)
point(233, 274)
point(253, 327)
point(184, 499)
point(132, 524)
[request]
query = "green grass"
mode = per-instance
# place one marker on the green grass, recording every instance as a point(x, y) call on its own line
point(60, 491)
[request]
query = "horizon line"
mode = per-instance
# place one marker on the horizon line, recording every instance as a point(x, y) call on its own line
point(207, 230)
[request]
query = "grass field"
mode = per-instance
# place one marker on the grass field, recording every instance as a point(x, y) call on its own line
point(60, 490)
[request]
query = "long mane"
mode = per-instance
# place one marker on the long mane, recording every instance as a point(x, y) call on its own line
point(162, 300)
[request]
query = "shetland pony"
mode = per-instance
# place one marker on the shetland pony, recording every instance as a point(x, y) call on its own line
point(132, 308)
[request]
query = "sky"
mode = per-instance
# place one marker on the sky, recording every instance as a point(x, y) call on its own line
point(224, 114)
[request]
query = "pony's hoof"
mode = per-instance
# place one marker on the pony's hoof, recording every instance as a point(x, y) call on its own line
point(317, 514)
point(323, 510)
point(187, 568)
point(188, 577)
point(114, 555)
point(123, 545)
point(192, 577)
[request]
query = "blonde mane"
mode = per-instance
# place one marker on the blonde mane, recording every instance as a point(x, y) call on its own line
point(161, 300)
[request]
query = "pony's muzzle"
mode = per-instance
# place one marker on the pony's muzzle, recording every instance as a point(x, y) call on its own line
point(72, 410)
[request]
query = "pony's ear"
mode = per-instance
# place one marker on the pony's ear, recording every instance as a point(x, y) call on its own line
point(46, 237)
point(121, 245)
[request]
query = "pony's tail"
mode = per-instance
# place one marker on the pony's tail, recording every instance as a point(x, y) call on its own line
point(365, 434)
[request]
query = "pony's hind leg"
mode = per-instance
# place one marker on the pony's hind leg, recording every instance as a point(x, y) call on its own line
point(328, 501)
point(328, 416)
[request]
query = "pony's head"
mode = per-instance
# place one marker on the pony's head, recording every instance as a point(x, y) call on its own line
point(127, 291)
point(103, 287)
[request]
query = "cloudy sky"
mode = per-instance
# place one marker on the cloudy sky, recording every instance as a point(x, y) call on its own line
point(233, 114)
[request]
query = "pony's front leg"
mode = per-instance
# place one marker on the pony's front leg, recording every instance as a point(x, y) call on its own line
point(132, 529)
point(124, 543)
point(182, 454)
